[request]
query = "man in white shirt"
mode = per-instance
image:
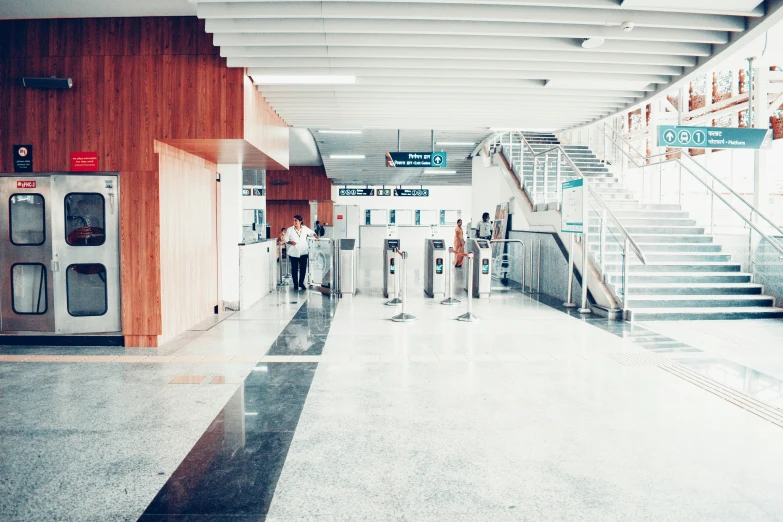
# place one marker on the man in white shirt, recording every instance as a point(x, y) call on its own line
point(484, 229)
point(298, 250)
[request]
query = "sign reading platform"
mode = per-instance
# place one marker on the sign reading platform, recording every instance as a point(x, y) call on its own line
point(412, 160)
point(711, 137)
point(571, 216)
point(356, 192)
point(412, 192)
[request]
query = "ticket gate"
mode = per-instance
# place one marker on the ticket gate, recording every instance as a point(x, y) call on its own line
point(390, 246)
point(435, 257)
point(59, 253)
point(482, 267)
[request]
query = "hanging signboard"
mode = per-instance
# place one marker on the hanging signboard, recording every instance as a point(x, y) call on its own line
point(411, 160)
point(356, 192)
point(412, 192)
point(23, 158)
point(383, 192)
point(571, 216)
point(711, 137)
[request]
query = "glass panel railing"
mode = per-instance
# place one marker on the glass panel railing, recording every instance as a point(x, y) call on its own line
point(320, 269)
point(510, 265)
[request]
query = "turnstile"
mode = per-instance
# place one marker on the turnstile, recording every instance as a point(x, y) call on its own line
point(435, 257)
point(390, 246)
point(482, 267)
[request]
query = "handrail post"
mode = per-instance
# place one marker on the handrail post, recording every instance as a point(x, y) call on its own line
point(546, 178)
point(602, 239)
point(395, 301)
point(626, 269)
point(538, 273)
point(585, 231)
point(469, 316)
point(570, 302)
point(450, 301)
point(281, 267)
point(558, 188)
point(535, 181)
point(404, 316)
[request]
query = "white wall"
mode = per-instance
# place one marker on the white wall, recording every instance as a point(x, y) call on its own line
point(230, 232)
point(440, 198)
point(490, 189)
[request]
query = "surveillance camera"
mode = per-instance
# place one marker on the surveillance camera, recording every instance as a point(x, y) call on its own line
point(627, 26)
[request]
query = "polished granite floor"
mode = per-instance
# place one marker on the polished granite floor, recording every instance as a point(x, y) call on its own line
point(306, 409)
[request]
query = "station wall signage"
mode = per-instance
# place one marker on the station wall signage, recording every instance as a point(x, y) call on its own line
point(711, 137)
point(412, 192)
point(356, 192)
point(571, 216)
point(383, 192)
point(84, 162)
point(23, 158)
point(412, 160)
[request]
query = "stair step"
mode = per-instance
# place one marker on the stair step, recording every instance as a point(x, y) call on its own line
point(695, 314)
point(595, 219)
point(663, 238)
point(697, 301)
point(613, 246)
point(673, 266)
point(633, 230)
point(643, 206)
point(693, 288)
point(657, 257)
point(616, 278)
point(656, 214)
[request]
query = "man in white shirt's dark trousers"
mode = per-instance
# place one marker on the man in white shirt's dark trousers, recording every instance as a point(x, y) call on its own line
point(298, 250)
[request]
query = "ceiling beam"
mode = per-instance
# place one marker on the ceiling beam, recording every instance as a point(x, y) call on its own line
point(486, 88)
point(387, 38)
point(384, 25)
point(617, 79)
point(470, 12)
point(362, 64)
point(321, 51)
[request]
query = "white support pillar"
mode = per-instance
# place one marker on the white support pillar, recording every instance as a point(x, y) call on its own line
point(761, 172)
point(708, 100)
point(229, 233)
point(683, 105)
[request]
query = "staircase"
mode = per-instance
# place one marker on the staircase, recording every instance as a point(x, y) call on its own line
point(687, 276)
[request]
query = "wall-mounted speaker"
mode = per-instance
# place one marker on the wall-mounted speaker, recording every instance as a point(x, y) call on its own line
point(47, 83)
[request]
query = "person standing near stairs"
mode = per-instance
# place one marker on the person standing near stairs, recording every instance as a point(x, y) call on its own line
point(484, 228)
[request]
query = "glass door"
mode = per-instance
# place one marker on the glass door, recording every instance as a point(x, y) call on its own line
point(26, 255)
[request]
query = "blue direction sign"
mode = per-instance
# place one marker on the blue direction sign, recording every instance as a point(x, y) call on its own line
point(411, 160)
point(710, 137)
point(356, 192)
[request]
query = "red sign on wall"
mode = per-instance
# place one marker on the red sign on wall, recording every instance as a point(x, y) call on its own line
point(84, 162)
point(25, 184)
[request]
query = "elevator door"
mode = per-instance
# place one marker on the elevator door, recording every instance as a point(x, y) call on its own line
point(59, 249)
point(85, 265)
point(25, 255)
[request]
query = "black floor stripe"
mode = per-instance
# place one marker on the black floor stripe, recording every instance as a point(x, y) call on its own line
point(232, 471)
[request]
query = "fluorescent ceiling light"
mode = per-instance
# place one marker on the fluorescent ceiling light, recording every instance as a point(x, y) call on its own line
point(251, 413)
point(457, 143)
point(336, 131)
point(439, 171)
point(265, 79)
point(346, 156)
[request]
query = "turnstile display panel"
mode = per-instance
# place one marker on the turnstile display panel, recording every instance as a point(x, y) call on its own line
point(485, 266)
point(439, 265)
point(391, 266)
point(483, 244)
point(437, 243)
point(392, 244)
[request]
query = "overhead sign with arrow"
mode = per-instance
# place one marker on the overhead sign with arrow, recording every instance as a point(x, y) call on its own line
point(412, 160)
point(711, 137)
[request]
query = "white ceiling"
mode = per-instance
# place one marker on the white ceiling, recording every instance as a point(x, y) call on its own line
point(15, 9)
point(458, 64)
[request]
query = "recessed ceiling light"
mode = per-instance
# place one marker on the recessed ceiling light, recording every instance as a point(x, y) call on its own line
point(264, 79)
point(592, 43)
point(439, 171)
point(337, 131)
point(346, 156)
point(456, 143)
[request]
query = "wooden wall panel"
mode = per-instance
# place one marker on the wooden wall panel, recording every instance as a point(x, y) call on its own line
point(326, 212)
point(300, 183)
point(140, 255)
point(281, 214)
point(263, 127)
point(188, 240)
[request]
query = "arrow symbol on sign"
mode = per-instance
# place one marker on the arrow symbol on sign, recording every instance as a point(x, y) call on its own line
point(669, 136)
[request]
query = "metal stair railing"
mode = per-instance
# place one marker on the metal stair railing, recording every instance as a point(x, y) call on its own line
point(609, 228)
point(644, 162)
